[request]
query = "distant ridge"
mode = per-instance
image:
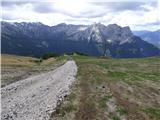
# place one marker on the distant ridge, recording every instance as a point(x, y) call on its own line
point(152, 37)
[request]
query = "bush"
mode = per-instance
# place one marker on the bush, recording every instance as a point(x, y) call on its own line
point(49, 55)
point(79, 53)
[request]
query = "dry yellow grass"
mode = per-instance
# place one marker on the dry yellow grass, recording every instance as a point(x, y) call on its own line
point(13, 61)
point(14, 67)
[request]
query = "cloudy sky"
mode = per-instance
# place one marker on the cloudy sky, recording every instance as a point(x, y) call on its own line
point(138, 14)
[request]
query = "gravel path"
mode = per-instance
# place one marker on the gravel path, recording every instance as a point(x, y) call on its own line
point(35, 98)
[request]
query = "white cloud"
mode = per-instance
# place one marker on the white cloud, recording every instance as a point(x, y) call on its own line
point(140, 14)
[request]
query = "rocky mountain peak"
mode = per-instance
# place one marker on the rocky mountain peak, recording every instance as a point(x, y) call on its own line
point(113, 26)
point(61, 24)
point(97, 25)
point(127, 30)
point(95, 33)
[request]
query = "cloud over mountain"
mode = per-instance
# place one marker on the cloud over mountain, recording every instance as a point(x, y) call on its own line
point(140, 14)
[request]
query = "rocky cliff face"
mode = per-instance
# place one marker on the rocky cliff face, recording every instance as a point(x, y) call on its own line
point(36, 39)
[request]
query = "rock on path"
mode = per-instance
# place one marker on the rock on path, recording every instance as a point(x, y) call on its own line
point(35, 98)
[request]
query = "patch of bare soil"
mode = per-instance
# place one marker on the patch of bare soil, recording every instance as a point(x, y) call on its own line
point(86, 107)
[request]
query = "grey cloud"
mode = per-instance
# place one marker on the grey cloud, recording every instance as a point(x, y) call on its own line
point(154, 4)
point(43, 8)
point(155, 23)
point(150, 24)
point(49, 8)
point(116, 6)
point(9, 17)
point(122, 6)
point(11, 4)
point(88, 15)
point(40, 7)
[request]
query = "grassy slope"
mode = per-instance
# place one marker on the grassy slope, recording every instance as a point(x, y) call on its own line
point(105, 89)
point(113, 89)
point(15, 68)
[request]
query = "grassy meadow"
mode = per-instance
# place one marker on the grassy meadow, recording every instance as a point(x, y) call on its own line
point(113, 89)
point(105, 89)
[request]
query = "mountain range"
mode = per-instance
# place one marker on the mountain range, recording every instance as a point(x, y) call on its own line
point(152, 37)
point(35, 39)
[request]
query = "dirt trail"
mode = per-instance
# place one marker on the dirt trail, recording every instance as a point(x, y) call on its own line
point(35, 98)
